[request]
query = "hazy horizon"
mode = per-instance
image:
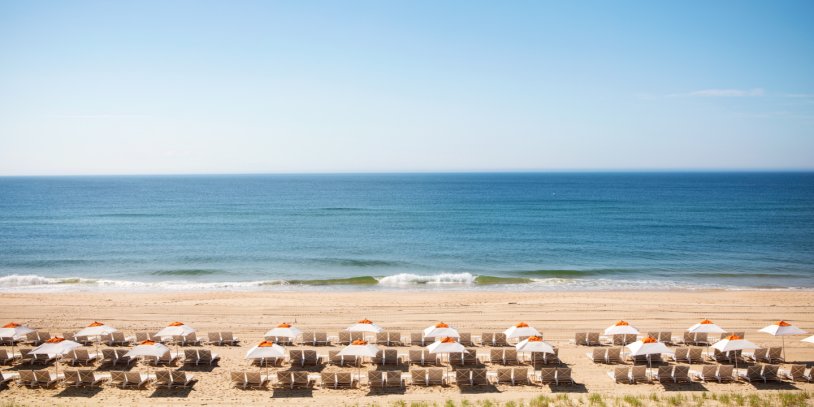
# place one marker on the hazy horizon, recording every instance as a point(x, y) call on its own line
point(257, 87)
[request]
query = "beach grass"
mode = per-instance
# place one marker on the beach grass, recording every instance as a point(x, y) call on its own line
point(783, 399)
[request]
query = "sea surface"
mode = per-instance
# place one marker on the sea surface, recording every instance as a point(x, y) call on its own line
point(497, 231)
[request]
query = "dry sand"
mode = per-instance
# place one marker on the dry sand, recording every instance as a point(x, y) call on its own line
point(250, 314)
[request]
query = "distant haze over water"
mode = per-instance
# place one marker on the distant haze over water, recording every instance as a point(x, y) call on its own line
point(514, 231)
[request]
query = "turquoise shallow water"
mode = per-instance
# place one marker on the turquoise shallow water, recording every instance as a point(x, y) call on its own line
point(429, 231)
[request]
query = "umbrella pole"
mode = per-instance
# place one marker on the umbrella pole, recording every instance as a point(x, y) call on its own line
point(783, 338)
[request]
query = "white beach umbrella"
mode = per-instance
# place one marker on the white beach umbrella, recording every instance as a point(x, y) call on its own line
point(706, 326)
point(264, 350)
point(175, 329)
point(534, 344)
point(14, 330)
point(521, 329)
point(96, 329)
point(446, 345)
point(364, 325)
point(648, 346)
point(782, 329)
point(148, 348)
point(810, 339)
point(733, 343)
point(621, 327)
point(359, 348)
point(441, 330)
point(284, 330)
point(55, 346)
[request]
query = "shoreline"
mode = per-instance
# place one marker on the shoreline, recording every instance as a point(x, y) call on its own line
point(558, 315)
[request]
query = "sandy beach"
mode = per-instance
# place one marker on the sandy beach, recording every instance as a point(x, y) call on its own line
point(250, 314)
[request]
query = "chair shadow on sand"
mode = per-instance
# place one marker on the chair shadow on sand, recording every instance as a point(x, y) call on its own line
point(85, 391)
point(292, 393)
point(178, 392)
point(567, 388)
point(691, 386)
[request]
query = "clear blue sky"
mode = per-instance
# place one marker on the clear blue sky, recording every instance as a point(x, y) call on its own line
point(308, 86)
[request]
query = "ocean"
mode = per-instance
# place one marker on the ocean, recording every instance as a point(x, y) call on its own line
point(473, 231)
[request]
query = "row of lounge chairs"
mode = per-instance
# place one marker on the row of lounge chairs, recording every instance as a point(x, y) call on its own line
point(87, 378)
point(119, 339)
point(689, 338)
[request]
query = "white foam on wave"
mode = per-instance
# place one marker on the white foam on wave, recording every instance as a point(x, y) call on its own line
point(40, 283)
point(405, 279)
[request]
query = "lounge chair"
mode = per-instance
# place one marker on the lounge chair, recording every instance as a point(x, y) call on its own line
point(337, 380)
point(771, 373)
point(7, 377)
point(479, 377)
point(681, 355)
point(618, 340)
point(548, 375)
point(163, 379)
point(418, 339)
point(9, 341)
point(581, 338)
point(46, 379)
point(341, 360)
point(315, 338)
point(169, 358)
point(708, 373)
point(393, 379)
point(143, 336)
point(776, 355)
point(136, 380)
point(418, 377)
point(520, 376)
point(681, 374)
point(564, 376)
point(614, 355)
point(25, 355)
point(116, 356)
point(298, 379)
point(700, 339)
point(181, 379)
point(688, 338)
point(311, 358)
point(797, 373)
point(487, 339)
point(665, 374)
point(694, 356)
point(205, 356)
point(117, 379)
point(375, 378)
point(27, 378)
point(597, 355)
point(463, 377)
point(638, 374)
point(510, 357)
point(758, 355)
point(504, 376)
point(423, 357)
point(389, 338)
point(496, 356)
point(500, 339)
point(227, 338)
point(8, 357)
point(344, 338)
point(42, 359)
point(752, 374)
point(466, 339)
point(593, 339)
point(666, 337)
point(82, 356)
point(387, 357)
point(37, 338)
point(436, 377)
point(725, 373)
point(280, 340)
point(249, 380)
point(119, 339)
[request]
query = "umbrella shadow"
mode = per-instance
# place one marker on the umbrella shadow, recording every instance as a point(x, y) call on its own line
point(178, 392)
point(86, 391)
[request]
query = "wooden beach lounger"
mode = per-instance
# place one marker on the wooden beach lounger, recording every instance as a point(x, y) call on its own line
point(338, 380)
point(45, 378)
point(249, 380)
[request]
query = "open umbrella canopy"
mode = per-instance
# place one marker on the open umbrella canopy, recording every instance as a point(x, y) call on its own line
point(284, 330)
point(521, 329)
point(733, 343)
point(359, 348)
point(441, 330)
point(446, 345)
point(96, 329)
point(14, 330)
point(148, 348)
point(534, 344)
point(364, 325)
point(648, 346)
point(175, 329)
point(706, 326)
point(55, 346)
point(810, 339)
point(782, 328)
point(621, 327)
point(265, 349)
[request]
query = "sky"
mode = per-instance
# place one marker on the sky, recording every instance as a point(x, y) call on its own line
point(157, 87)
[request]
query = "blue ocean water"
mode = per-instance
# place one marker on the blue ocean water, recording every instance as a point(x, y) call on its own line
point(489, 230)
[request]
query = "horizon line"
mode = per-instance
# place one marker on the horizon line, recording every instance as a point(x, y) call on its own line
point(407, 172)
